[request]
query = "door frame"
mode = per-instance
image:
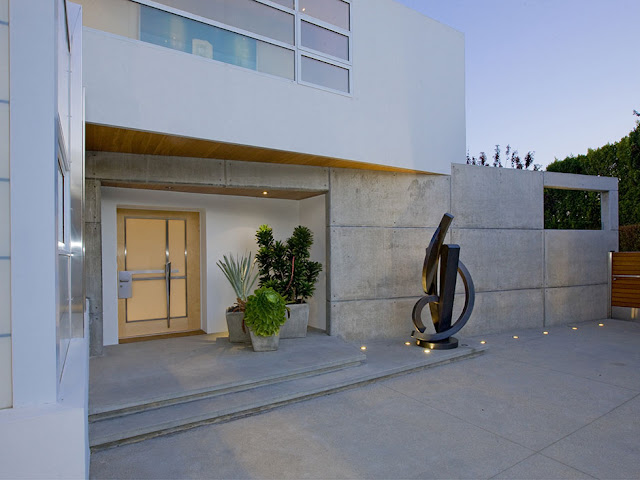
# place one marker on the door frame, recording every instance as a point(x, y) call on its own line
point(192, 320)
point(108, 236)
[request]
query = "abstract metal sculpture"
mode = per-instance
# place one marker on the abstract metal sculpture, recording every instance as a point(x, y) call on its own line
point(441, 303)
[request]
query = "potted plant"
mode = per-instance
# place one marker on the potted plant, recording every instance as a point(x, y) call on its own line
point(240, 273)
point(285, 267)
point(264, 315)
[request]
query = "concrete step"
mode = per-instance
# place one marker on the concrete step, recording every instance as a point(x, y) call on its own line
point(240, 384)
point(381, 364)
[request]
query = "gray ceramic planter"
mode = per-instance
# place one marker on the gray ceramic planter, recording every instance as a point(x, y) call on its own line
point(234, 325)
point(296, 324)
point(264, 344)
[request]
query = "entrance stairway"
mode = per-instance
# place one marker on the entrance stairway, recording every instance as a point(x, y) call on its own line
point(140, 391)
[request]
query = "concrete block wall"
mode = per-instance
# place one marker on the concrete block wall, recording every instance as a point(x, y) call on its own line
point(498, 223)
point(379, 225)
point(526, 276)
point(93, 263)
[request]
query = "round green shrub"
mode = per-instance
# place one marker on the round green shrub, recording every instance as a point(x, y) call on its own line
point(265, 312)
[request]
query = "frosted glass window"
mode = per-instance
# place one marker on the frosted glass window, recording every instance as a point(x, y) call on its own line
point(4, 140)
point(4, 62)
point(6, 393)
point(5, 220)
point(335, 12)
point(325, 41)
point(275, 60)
point(245, 14)
point(60, 205)
point(180, 33)
point(324, 74)
point(5, 296)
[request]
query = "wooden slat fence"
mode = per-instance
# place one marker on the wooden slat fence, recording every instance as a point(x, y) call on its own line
point(625, 279)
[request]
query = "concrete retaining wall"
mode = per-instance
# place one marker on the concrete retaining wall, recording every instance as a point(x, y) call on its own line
point(379, 225)
point(526, 276)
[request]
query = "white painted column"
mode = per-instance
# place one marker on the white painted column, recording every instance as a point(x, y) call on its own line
point(33, 227)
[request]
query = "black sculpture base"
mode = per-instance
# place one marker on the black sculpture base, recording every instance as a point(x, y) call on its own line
point(447, 344)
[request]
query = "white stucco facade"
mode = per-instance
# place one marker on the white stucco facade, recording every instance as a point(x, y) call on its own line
point(406, 109)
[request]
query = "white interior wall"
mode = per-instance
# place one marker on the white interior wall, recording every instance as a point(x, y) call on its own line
point(228, 225)
point(313, 215)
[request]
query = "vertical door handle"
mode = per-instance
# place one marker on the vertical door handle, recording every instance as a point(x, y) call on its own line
point(167, 278)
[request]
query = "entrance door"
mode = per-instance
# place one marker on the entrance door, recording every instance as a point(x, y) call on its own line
point(158, 272)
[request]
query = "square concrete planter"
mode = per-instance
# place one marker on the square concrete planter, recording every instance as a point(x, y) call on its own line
point(234, 325)
point(264, 344)
point(296, 324)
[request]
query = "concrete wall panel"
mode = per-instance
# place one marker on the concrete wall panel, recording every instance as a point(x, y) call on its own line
point(578, 257)
point(501, 259)
point(376, 263)
point(92, 201)
point(576, 304)
point(484, 197)
point(361, 320)
point(503, 310)
point(254, 174)
point(369, 198)
point(572, 181)
point(154, 168)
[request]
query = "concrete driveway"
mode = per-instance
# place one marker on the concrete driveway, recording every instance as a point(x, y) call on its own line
point(561, 405)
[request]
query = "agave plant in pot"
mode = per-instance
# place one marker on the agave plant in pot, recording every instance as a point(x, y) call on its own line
point(285, 266)
point(264, 315)
point(240, 273)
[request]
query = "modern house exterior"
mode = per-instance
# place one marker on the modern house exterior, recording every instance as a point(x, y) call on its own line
point(142, 140)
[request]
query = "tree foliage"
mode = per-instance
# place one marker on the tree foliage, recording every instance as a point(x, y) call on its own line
point(621, 160)
point(630, 238)
point(511, 157)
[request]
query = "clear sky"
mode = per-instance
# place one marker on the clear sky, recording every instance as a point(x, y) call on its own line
point(552, 76)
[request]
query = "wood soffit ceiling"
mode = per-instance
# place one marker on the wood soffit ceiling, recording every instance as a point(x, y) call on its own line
point(217, 190)
point(101, 138)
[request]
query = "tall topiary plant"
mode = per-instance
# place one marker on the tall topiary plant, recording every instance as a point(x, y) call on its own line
point(285, 266)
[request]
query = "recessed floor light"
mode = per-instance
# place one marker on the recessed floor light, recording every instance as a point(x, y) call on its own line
point(545, 333)
point(482, 342)
point(516, 337)
point(363, 348)
point(574, 328)
point(407, 343)
point(601, 324)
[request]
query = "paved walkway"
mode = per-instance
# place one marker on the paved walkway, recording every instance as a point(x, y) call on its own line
point(562, 405)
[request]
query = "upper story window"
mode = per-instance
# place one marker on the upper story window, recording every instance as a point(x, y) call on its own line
point(308, 41)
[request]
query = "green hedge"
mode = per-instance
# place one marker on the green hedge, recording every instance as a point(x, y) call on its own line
point(630, 238)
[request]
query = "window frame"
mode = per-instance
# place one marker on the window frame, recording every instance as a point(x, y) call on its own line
point(63, 198)
point(297, 48)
